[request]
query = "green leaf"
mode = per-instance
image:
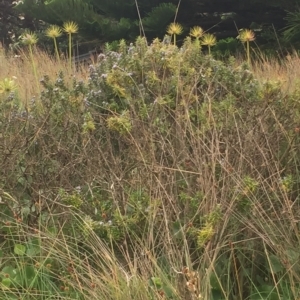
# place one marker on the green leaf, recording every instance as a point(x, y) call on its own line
point(177, 230)
point(19, 249)
point(156, 281)
point(25, 276)
point(19, 280)
point(216, 294)
point(9, 270)
point(25, 211)
point(265, 292)
point(292, 255)
point(52, 231)
point(32, 251)
point(34, 242)
point(5, 283)
point(275, 264)
point(29, 273)
point(168, 292)
point(214, 282)
point(22, 181)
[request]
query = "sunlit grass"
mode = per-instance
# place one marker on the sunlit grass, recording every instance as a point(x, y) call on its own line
point(19, 66)
point(284, 70)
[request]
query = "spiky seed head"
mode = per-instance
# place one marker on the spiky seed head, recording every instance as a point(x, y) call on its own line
point(246, 35)
point(53, 31)
point(7, 85)
point(29, 38)
point(196, 32)
point(174, 28)
point(70, 27)
point(208, 40)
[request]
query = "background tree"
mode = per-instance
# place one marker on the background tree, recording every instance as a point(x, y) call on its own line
point(10, 22)
point(106, 20)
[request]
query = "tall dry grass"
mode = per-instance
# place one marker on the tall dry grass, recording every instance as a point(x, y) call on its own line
point(200, 209)
point(19, 67)
point(286, 70)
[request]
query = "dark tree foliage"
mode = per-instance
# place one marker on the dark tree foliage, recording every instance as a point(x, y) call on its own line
point(13, 23)
point(10, 21)
point(232, 13)
point(108, 20)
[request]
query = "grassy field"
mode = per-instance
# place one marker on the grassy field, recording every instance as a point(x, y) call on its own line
point(156, 173)
point(286, 70)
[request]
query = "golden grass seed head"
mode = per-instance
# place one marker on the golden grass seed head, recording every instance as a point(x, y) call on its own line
point(29, 38)
point(53, 31)
point(174, 28)
point(246, 35)
point(196, 32)
point(7, 85)
point(208, 40)
point(70, 27)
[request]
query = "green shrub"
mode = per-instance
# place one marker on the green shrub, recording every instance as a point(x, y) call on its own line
point(169, 158)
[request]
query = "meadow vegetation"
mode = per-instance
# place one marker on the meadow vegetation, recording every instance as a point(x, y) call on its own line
point(157, 172)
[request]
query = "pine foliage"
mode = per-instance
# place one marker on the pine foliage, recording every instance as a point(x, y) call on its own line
point(159, 17)
point(58, 11)
point(292, 30)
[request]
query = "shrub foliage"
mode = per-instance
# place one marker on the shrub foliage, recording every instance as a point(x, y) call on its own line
point(164, 155)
